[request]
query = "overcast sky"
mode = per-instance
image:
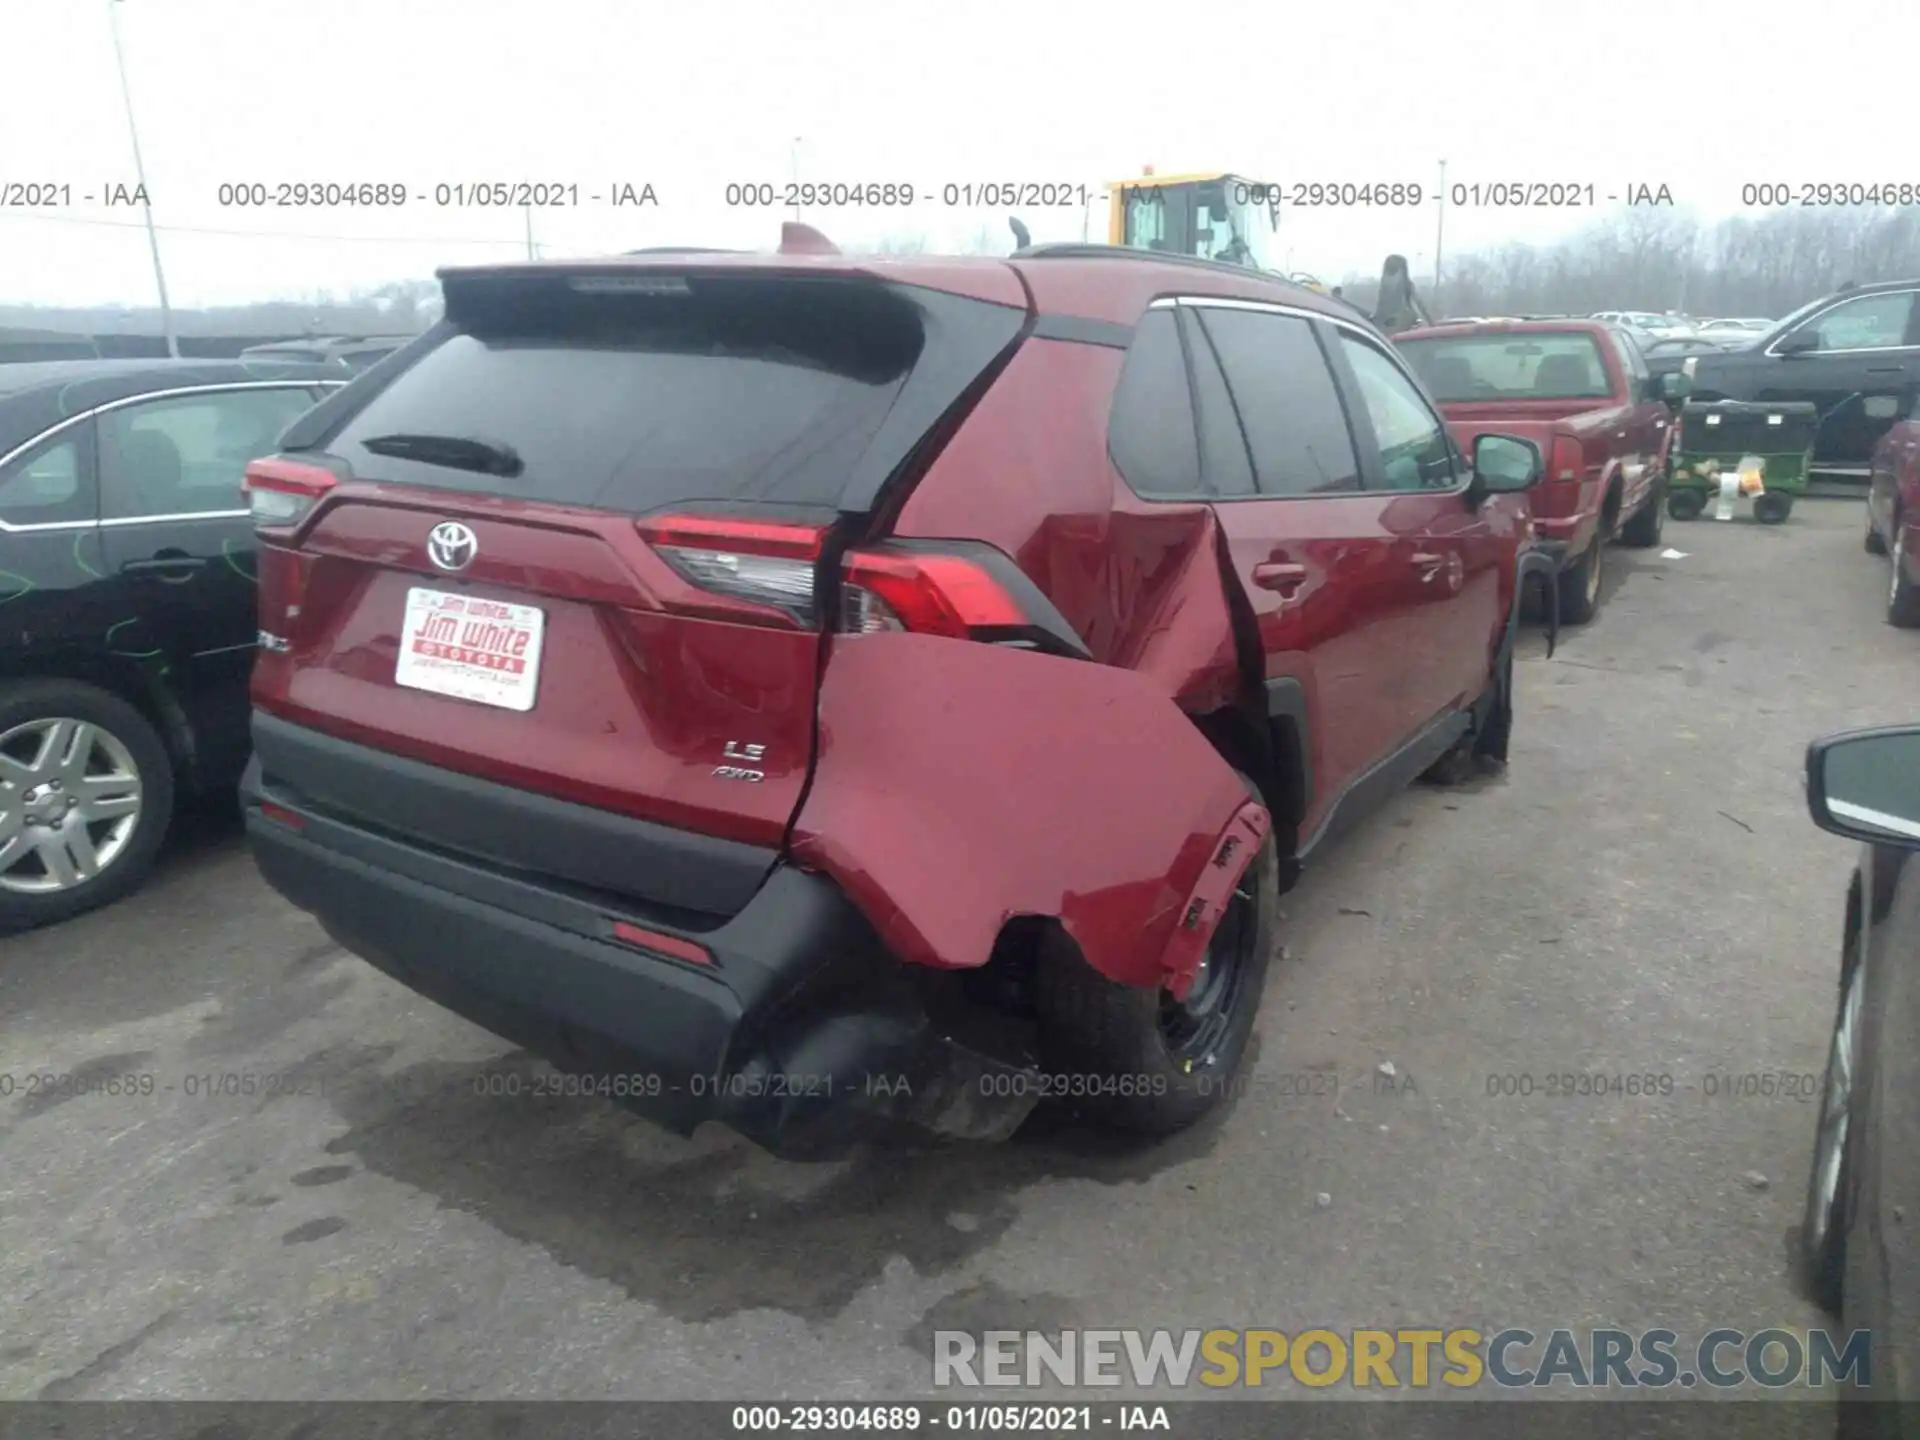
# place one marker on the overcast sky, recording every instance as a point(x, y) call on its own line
point(693, 95)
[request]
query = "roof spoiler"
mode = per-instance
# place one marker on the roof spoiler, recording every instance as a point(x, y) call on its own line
point(798, 239)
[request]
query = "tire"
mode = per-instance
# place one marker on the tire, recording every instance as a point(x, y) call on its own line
point(1093, 1026)
point(1903, 596)
point(1823, 1221)
point(1686, 504)
point(118, 741)
point(1875, 544)
point(1772, 508)
point(1580, 584)
point(1643, 531)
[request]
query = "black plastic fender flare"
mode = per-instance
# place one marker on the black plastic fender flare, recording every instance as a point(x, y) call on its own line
point(1531, 561)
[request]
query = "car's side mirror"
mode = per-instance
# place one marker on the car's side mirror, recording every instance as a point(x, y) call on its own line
point(1674, 385)
point(1800, 342)
point(1505, 464)
point(1865, 784)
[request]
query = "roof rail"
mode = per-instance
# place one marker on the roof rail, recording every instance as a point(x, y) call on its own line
point(1082, 250)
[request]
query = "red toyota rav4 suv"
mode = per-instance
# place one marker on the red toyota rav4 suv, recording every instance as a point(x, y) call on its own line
point(817, 694)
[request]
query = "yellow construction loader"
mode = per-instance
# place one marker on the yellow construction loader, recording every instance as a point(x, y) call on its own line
point(1215, 216)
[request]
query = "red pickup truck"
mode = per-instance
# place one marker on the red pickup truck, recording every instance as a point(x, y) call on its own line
point(1580, 390)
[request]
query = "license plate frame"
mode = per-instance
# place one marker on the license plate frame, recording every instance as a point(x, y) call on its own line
point(471, 647)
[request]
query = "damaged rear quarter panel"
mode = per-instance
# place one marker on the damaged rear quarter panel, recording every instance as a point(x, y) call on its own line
point(960, 784)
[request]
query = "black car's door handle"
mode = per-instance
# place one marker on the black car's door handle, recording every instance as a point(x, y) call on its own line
point(1886, 369)
point(167, 565)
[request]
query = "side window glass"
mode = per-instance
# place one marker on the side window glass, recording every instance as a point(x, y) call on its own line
point(188, 454)
point(1285, 401)
point(1414, 447)
point(1150, 433)
point(1870, 322)
point(1630, 352)
point(50, 484)
point(1223, 444)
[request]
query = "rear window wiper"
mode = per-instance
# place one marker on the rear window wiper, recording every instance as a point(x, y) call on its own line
point(457, 452)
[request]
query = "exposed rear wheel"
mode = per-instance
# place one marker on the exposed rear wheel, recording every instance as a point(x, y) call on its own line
point(1772, 508)
point(1153, 1064)
point(86, 795)
point(1686, 504)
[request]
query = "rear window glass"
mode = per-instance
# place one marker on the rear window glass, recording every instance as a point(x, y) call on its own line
point(726, 390)
point(1517, 366)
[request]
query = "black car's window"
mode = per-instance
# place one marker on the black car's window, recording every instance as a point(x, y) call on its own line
point(187, 454)
point(1414, 449)
point(50, 483)
point(1285, 400)
point(1869, 322)
point(1150, 431)
point(1630, 352)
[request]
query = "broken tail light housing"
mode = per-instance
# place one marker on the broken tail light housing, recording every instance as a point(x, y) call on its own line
point(281, 493)
point(772, 565)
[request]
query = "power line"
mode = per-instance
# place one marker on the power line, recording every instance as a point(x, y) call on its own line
point(258, 234)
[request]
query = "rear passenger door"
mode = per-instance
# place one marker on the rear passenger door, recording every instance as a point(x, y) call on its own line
point(1643, 443)
point(176, 529)
point(1330, 582)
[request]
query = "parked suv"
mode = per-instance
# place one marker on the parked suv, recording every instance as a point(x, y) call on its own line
point(126, 595)
point(816, 693)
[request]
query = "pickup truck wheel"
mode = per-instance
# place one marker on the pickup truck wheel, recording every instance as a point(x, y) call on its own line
point(1580, 584)
point(1874, 543)
point(1643, 531)
point(1139, 1060)
point(1903, 596)
point(1686, 504)
point(86, 795)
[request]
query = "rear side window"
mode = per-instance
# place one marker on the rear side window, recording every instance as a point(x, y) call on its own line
point(187, 455)
point(1150, 434)
point(721, 390)
point(51, 483)
point(1285, 401)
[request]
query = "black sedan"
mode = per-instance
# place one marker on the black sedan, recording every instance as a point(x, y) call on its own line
point(1854, 354)
point(127, 596)
point(1862, 1202)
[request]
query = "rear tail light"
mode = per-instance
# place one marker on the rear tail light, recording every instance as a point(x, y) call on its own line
point(280, 493)
point(1569, 459)
point(772, 566)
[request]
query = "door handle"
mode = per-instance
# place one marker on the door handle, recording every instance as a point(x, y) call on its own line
point(1273, 575)
point(167, 565)
point(1886, 369)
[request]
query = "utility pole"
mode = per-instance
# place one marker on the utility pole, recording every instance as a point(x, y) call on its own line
point(1439, 239)
point(140, 176)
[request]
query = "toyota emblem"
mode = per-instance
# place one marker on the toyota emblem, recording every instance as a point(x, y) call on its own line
point(451, 545)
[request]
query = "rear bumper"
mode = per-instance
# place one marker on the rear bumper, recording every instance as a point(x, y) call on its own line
point(802, 1033)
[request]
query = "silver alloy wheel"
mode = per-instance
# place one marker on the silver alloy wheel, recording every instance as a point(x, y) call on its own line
point(70, 796)
point(1830, 1146)
point(1593, 570)
point(1899, 558)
